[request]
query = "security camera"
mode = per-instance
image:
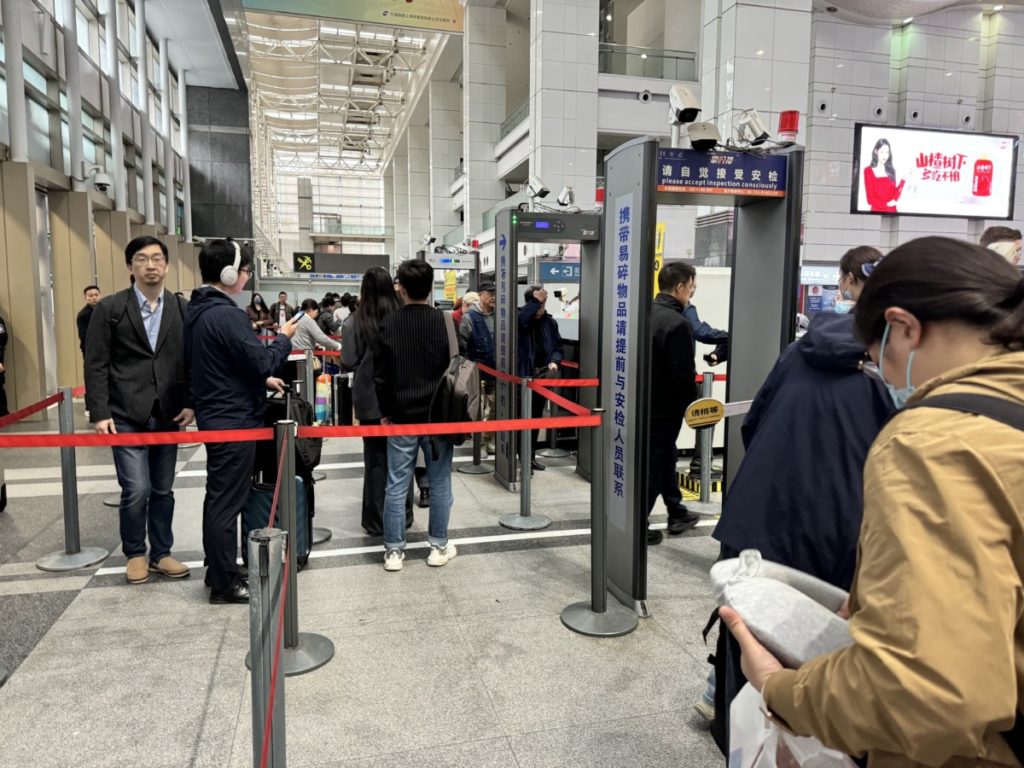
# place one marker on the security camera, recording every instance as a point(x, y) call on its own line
point(750, 127)
point(102, 182)
point(536, 188)
point(427, 239)
point(95, 175)
point(683, 106)
point(645, 96)
point(703, 136)
point(566, 197)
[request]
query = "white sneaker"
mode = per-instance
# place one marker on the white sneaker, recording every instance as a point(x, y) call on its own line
point(439, 556)
point(393, 559)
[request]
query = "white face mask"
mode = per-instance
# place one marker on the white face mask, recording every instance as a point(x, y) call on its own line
point(844, 307)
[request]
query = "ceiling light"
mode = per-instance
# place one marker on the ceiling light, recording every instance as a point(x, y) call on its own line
point(949, 74)
point(643, 55)
point(759, 52)
point(608, 17)
point(908, 19)
point(997, 8)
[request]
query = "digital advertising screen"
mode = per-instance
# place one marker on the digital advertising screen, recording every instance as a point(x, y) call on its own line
point(922, 172)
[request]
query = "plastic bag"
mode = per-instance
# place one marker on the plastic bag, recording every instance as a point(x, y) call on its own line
point(755, 741)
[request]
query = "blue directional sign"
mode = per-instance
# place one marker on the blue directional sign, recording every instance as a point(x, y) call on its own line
point(559, 272)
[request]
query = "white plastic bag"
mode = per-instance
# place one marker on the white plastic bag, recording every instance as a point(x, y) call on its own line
point(756, 742)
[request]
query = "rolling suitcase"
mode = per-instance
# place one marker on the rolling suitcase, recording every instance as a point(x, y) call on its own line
point(257, 515)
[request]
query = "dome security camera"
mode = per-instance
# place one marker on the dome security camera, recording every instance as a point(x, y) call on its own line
point(102, 182)
point(703, 136)
point(683, 106)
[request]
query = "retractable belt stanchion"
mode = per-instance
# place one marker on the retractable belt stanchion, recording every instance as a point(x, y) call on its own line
point(524, 521)
point(303, 651)
point(73, 556)
point(706, 438)
point(266, 555)
point(319, 535)
point(597, 618)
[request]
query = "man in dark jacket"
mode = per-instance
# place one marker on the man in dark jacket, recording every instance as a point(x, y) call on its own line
point(281, 311)
point(538, 352)
point(135, 382)
point(231, 371)
point(92, 298)
point(673, 388)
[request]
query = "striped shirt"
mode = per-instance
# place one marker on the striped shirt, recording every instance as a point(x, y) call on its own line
point(410, 357)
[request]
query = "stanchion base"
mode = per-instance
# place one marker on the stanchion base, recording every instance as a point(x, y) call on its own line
point(112, 501)
point(318, 476)
point(312, 652)
point(520, 523)
point(476, 469)
point(616, 621)
point(320, 535)
point(554, 453)
point(62, 561)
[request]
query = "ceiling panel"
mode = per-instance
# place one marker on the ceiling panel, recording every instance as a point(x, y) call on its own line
point(195, 41)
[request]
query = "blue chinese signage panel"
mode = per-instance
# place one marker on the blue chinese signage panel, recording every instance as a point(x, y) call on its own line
point(721, 173)
point(559, 272)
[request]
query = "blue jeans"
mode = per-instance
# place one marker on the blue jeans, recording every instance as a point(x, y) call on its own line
point(401, 463)
point(146, 475)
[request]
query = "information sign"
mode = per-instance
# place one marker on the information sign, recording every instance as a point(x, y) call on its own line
point(721, 173)
point(559, 272)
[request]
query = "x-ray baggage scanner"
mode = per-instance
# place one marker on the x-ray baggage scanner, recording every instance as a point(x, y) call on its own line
point(511, 229)
point(765, 188)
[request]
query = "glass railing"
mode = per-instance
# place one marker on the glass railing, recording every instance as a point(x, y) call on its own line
point(512, 121)
point(337, 228)
point(455, 236)
point(458, 173)
point(634, 61)
point(511, 202)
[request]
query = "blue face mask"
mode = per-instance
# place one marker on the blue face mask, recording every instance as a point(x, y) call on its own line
point(843, 307)
point(848, 295)
point(899, 396)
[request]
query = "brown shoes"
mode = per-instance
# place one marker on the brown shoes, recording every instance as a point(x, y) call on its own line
point(168, 566)
point(136, 570)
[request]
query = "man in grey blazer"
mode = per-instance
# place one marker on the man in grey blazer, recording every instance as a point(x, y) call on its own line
point(135, 381)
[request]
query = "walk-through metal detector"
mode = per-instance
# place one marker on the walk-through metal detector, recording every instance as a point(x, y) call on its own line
point(443, 261)
point(766, 191)
point(511, 228)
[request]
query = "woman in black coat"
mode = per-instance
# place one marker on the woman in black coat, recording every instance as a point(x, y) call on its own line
point(377, 300)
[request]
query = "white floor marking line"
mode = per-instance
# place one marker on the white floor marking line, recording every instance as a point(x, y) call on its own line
point(318, 554)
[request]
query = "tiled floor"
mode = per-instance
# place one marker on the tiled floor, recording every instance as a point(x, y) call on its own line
point(466, 665)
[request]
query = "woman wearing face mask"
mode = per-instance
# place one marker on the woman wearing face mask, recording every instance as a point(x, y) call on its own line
point(935, 675)
point(259, 314)
point(854, 268)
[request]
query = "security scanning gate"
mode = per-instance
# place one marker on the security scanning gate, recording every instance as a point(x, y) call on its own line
point(766, 190)
point(512, 228)
point(442, 261)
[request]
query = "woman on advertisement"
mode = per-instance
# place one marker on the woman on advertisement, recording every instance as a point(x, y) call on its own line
point(880, 184)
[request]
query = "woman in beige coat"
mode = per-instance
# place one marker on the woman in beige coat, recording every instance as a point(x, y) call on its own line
point(935, 675)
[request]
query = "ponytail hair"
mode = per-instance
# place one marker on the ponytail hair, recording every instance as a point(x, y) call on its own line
point(941, 279)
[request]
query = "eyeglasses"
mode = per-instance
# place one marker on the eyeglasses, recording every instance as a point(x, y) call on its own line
point(141, 258)
point(247, 270)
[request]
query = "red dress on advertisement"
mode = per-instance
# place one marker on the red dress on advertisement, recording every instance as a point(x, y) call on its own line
point(880, 190)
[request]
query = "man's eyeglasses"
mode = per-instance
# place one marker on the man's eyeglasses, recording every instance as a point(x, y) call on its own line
point(247, 270)
point(141, 258)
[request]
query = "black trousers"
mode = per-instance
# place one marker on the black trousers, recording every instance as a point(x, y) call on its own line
point(375, 478)
point(661, 467)
point(3, 395)
point(229, 468)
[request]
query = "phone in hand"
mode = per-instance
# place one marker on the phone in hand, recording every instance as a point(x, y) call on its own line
point(296, 317)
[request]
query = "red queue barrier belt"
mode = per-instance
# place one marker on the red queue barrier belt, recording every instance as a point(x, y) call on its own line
point(544, 382)
point(718, 377)
point(570, 364)
point(569, 405)
point(27, 411)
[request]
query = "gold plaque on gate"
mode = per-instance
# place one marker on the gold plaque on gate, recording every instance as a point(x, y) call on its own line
point(705, 412)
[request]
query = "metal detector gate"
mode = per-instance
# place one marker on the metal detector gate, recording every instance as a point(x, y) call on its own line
point(443, 261)
point(765, 188)
point(510, 229)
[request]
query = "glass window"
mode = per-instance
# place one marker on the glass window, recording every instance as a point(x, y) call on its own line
point(38, 132)
point(84, 29)
point(65, 135)
point(90, 151)
point(35, 78)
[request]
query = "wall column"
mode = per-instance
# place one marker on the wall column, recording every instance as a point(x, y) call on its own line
point(17, 109)
point(112, 70)
point(445, 152)
point(483, 110)
point(389, 211)
point(113, 233)
point(186, 181)
point(73, 269)
point(419, 185)
point(400, 165)
point(563, 95)
point(170, 210)
point(20, 295)
point(148, 139)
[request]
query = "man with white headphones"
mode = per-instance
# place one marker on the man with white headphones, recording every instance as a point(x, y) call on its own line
point(230, 374)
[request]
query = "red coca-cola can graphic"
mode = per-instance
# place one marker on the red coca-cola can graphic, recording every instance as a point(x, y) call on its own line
point(982, 178)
